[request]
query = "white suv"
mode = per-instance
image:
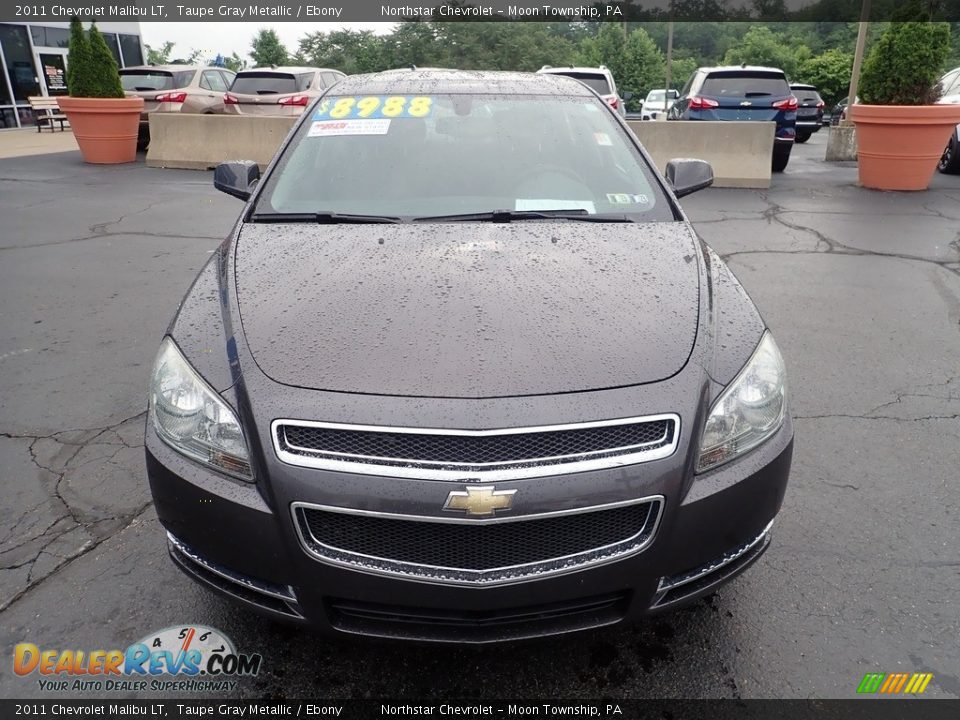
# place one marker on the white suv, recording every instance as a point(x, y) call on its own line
point(658, 102)
point(950, 86)
point(599, 79)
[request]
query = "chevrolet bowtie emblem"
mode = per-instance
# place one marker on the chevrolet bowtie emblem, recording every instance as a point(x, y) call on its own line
point(479, 501)
point(746, 103)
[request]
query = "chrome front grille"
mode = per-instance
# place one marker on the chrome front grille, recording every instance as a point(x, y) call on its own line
point(480, 455)
point(477, 551)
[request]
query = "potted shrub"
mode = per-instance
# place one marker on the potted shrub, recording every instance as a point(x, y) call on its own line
point(900, 132)
point(104, 121)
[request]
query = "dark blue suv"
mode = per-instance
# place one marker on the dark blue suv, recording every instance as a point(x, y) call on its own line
point(742, 92)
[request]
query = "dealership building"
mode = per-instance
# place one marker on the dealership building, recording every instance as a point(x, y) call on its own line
point(33, 61)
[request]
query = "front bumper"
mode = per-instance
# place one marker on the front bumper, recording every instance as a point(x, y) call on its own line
point(239, 539)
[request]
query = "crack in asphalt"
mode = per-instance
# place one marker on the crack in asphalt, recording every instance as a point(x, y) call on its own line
point(99, 230)
point(70, 519)
point(85, 549)
point(774, 212)
point(138, 233)
point(877, 417)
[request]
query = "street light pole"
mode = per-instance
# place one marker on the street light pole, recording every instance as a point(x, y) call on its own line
point(669, 51)
point(858, 57)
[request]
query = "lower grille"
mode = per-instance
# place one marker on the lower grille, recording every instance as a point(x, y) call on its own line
point(684, 585)
point(442, 625)
point(275, 598)
point(477, 551)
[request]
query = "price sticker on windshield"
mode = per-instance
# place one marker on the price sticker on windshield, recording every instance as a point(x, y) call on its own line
point(374, 107)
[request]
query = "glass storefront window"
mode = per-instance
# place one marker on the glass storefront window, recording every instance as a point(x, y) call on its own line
point(49, 36)
point(4, 90)
point(111, 39)
point(20, 68)
point(132, 54)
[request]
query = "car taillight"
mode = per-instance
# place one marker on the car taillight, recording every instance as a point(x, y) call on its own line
point(821, 104)
point(613, 102)
point(177, 97)
point(294, 100)
point(229, 99)
point(701, 103)
point(789, 104)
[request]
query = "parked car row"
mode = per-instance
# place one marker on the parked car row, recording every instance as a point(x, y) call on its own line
point(950, 89)
point(215, 90)
point(598, 79)
point(809, 111)
point(742, 92)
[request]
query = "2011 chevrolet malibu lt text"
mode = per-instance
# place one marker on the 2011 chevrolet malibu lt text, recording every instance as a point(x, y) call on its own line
point(463, 371)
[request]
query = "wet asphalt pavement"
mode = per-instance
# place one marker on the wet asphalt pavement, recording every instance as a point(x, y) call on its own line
point(861, 289)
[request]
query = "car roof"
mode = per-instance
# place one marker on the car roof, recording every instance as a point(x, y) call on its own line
point(290, 69)
point(748, 68)
point(556, 70)
point(464, 82)
point(171, 68)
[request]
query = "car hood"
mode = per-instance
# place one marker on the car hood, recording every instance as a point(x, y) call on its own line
point(468, 310)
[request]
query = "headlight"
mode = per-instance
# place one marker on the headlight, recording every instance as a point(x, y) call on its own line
point(749, 410)
point(190, 417)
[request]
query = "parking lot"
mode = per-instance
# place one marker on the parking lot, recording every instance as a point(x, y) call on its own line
point(861, 289)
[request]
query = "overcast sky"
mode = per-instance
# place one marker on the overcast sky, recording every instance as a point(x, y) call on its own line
point(234, 37)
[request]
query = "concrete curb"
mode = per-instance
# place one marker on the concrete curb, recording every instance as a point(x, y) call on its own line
point(740, 152)
point(201, 142)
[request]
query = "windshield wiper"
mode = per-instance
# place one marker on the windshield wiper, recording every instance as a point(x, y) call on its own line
point(506, 216)
point(323, 218)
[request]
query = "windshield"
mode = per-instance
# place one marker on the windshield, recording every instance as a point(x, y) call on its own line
point(440, 155)
point(143, 80)
point(591, 80)
point(269, 83)
point(739, 83)
point(806, 95)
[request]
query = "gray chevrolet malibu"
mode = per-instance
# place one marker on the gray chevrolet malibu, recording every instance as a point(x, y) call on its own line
point(463, 371)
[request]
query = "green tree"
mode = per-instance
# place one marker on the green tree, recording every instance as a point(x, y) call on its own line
point(350, 51)
point(104, 76)
point(605, 48)
point(159, 56)
point(78, 61)
point(267, 49)
point(411, 43)
point(501, 46)
point(903, 67)
point(761, 46)
point(234, 62)
point(643, 65)
point(682, 69)
point(829, 72)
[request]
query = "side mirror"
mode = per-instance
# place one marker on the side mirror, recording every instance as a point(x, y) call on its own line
point(628, 95)
point(687, 175)
point(236, 177)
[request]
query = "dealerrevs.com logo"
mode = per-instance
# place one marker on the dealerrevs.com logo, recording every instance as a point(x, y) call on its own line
point(191, 658)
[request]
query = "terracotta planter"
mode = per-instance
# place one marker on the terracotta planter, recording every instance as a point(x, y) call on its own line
point(105, 128)
point(899, 145)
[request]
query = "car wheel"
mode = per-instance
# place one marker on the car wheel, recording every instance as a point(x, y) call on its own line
point(781, 158)
point(950, 161)
point(802, 137)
